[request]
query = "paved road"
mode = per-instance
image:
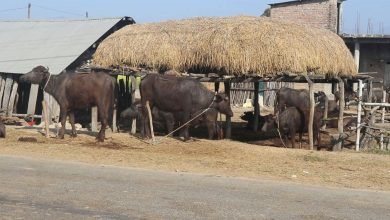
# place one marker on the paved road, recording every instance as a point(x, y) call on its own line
point(48, 189)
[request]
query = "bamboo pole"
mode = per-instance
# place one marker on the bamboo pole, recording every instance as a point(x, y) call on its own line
point(228, 129)
point(359, 115)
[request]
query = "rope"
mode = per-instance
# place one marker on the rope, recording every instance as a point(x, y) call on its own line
point(47, 82)
point(280, 136)
point(158, 140)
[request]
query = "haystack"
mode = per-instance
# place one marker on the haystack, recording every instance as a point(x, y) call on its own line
point(230, 46)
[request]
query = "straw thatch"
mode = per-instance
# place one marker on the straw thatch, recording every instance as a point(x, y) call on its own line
point(231, 45)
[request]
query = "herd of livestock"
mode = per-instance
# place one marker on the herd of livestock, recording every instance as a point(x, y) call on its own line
point(178, 101)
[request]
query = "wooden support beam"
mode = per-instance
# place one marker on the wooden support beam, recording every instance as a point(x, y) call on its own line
point(133, 89)
point(94, 117)
point(11, 102)
point(325, 111)
point(256, 106)
point(46, 117)
point(228, 129)
point(150, 120)
point(32, 100)
point(359, 113)
point(340, 122)
point(7, 91)
point(2, 88)
point(384, 100)
point(311, 112)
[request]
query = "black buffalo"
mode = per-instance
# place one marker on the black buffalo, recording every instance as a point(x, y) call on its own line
point(183, 96)
point(291, 121)
point(250, 118)
point(299, 98)
point(349, 96)
point(75, 91)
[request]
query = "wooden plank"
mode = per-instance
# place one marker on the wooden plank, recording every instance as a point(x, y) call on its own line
point(7, 91)
point(11, 102)
point(359, 113)
point(94, 117)
point(32, 100)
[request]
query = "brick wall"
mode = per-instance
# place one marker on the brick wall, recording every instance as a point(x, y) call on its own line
point(318, 13)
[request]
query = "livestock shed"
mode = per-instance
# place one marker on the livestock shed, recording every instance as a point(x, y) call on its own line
point(230, 50)
point(61, 45)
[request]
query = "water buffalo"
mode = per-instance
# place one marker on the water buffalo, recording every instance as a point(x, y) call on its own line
point(167, 120)
point(75, 91)
point(250, 118)
point(180, 95)
point(2, 129)
point(299, 98)
point(292, 120)
point(289, 122)
point(349, 96)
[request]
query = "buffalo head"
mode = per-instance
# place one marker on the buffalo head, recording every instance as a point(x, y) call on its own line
point(269, 123)
point(38, 75)
point(222, 104)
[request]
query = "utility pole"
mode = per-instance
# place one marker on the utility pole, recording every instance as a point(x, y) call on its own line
point(29, 11)
point(86, 14)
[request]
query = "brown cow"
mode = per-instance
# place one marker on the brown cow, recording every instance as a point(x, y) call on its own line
point(75, 91)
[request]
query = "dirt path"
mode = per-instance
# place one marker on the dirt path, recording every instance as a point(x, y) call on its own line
point(226, 158)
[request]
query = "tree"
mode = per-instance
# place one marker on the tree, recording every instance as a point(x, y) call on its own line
point(267, 12)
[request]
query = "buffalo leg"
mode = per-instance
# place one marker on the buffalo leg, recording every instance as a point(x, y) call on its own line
point(63, 115)
point(186, 118)
point(103, 120)
point(211, 128)
point(292, 133)
point(72, 122)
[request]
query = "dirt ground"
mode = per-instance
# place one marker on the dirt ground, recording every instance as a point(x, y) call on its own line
point(224, 157)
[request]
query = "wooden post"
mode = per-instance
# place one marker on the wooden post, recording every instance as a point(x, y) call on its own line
point(133, 90)
point(383, 116)
point(325, 111)
point(311, 112)
point(359, 114)
point(11, 101)
point(369, 90)
point(46, 118)
point(340, 124)
point(150, 120)
point(228, 129)
point(94, 117)
point(114, 127)
point(2, 88)
point(7, 91)
point(256, 106)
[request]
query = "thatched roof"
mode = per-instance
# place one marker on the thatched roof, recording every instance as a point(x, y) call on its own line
point(231, 45)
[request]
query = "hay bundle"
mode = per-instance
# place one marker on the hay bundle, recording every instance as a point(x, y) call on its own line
point(231, 45)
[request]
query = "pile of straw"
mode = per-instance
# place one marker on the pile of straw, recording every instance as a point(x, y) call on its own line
point(231, 45)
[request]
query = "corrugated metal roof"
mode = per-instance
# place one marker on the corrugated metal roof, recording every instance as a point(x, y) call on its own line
point(56, 44)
